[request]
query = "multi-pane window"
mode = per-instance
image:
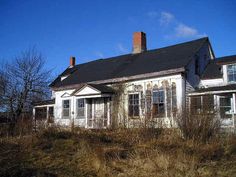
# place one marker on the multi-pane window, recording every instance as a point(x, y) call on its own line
point(158, 103)
point(66, 108)
point(196, 106)
point(80, 109)
point(231, 72)
point(133, 105)
point(202, 104)
point(225, 107)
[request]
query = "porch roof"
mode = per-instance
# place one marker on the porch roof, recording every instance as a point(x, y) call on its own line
point(214, 90)
point(44, 102)
point(98, 88)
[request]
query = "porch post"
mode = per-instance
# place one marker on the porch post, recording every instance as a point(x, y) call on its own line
point(47, 115)
point(34, 120)
point(234, 105)
point(86, 113)
point(234, 109)
point(34, 113)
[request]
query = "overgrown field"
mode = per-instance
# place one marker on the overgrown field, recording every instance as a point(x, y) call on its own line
point(137, 152)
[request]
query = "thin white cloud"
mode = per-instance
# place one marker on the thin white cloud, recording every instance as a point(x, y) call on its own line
point(179, 29)
point(184, 31)
point(121, 48)
point(166, 18)
point(152, 14)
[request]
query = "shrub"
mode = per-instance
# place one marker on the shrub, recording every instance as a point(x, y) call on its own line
point(198, 127)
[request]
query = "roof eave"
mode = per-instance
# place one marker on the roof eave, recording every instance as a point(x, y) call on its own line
point(126, 79)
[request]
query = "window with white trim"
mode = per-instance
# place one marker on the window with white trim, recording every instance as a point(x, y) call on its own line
point(134, 105)
point(158, 103)
point(80, 108)
point(66, 108)
point(231, 73)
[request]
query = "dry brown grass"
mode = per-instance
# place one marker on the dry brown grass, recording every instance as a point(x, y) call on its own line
point(123, 152)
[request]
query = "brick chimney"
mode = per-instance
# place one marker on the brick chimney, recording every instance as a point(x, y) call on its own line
point(139, 42)
point(72, 62)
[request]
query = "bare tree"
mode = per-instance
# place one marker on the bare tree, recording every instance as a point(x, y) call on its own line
point(23, 81)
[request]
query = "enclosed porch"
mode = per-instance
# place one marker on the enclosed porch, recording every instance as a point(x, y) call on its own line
point(91, 106)
point(220, 101)
point(43, 111)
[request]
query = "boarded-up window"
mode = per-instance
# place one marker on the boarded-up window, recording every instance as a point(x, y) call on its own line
point(133, 105)
point(148, 103)
point(89, 112)
point(66, 108)
point(158, 103)
point(173, 99)
point(80, 109)
point(142, 103)
point(168, 100)
point(105, 111)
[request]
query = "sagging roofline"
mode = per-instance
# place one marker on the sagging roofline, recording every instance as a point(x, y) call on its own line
point(125, 79)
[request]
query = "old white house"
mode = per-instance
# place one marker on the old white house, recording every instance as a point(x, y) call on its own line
point(155, 85)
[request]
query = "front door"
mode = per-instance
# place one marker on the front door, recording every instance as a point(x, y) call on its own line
point(98, 113)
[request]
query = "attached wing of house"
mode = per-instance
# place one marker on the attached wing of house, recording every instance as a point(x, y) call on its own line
point(126, 90)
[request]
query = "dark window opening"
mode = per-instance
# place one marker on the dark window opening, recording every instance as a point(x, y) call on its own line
point(158, 103)
point(133, 105)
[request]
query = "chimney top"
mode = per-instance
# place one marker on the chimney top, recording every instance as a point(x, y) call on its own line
point(139, 42)
point(72, 61)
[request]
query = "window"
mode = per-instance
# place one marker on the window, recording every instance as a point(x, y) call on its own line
point(80, 108)
point(208, 104)
point(66, 108)
point(195, 107)
point(231, 73)
point(133, 105)
point(225, 107)
point(51, 111)
point(158, 103)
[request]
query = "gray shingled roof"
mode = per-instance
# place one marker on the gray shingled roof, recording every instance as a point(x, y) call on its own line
point(212, 71)
point(99, 87)
point(162, 59)
point(226, 60)
point(217, 88)
point(44, 102)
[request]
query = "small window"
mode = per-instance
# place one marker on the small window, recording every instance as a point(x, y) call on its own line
point(80, 109)
point(158, 103)
point(66, 108)
point(231, 73)
point(133, 105)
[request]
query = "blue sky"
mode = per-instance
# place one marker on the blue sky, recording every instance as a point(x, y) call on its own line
point(96, 29)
